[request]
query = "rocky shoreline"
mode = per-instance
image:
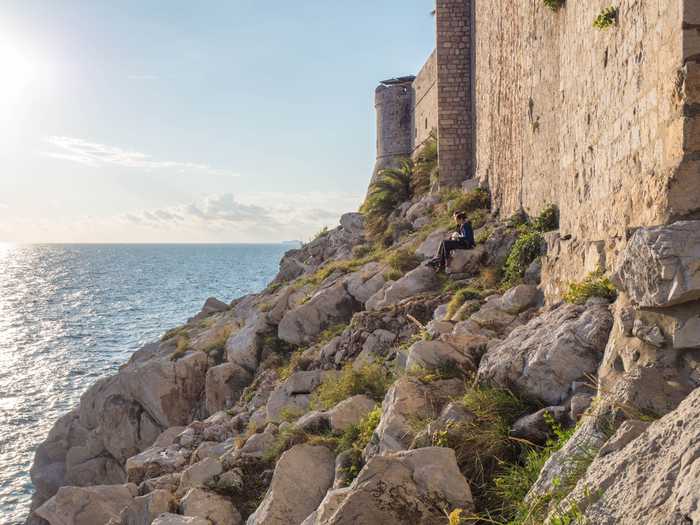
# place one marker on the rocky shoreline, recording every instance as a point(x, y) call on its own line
point(362, 387)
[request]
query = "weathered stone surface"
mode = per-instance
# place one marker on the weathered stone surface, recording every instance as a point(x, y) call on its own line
point(435, 355)
point(330, 306)
point(199, 474)
point(543, 358)
point(364, 283)
point(429, 247)
point(407, 400)
point(661, 265)
point(257, 444)
point(218, 510)
point(466, 261)
point(416, 486)
point(294, 394)
point(175, 519)
point(625, 434)
point(87, 505)
point(653, 479)
point(302, 476)
point(422, 279)
point(243, 347)
point(155, 462)
point(211, 306)
point(349, 412)
point(143, 510)
point(519, 299)
point(224, 385)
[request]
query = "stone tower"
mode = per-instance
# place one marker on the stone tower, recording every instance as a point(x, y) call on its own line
point(394, 105)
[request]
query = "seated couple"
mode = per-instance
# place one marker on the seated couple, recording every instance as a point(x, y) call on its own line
point(462, 239)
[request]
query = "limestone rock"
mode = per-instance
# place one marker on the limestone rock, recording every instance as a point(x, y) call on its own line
point(405, 401)
point(628, 432)
point(224, 385)
point(175, 519)
point(542, 359)
point(436, 355)
point(199, 474)
point(429, 247)
point(302, 476)
point(243, 347)
point(87, 505)
point(349, 412)
point(364, 283)
point(653, 479)
point(519, 299)
point(660, 266)
point(416, 486)
point(330, 306)
point(143, 510)
point(218, 510)
point(155, 462)
point(465, 261)
point(293, 394)
point(211, 306)
point(422, 279)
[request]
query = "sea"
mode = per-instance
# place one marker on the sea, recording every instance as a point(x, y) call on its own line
point(71, 314)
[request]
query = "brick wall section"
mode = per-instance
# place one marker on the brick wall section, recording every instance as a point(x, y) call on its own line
point(453, 28)
point(602, 123)
point(425, 93)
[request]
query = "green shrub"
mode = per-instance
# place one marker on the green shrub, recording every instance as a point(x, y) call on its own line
point(180, 330)
point(554, 5)
point(181, 346)
point(595, 284)
point(218, 342)
point(393, 275)
point(373, 380)
point(361, 251)
point(321, 233)
point(291, 436)
point(391, 188)
point(292, 365)
point(461, 297)
point(548, 220)
point(472, 201)
point(526, 249)
point(607, 18)
point(356, 437)
point(518, 219)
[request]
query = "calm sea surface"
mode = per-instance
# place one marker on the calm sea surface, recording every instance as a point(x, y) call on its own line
point(70, 314)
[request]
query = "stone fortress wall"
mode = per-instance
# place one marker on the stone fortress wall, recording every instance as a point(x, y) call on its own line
point(543, 108)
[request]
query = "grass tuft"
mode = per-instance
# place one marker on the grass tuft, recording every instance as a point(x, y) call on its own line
point(595, 284)
point(373, 380)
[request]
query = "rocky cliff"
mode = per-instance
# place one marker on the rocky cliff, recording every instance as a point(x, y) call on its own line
point(362, 387)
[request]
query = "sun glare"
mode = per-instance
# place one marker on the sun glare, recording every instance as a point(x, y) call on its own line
point(17, 72)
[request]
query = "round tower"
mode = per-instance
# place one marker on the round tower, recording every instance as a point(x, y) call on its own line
point(393, 101)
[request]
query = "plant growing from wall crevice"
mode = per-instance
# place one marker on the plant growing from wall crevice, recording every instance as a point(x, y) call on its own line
point(554, 5)
point(607, 18)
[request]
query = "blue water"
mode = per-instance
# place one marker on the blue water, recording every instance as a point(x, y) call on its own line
point(70, 314)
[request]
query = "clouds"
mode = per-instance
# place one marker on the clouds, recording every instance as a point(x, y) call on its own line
point(100, 155)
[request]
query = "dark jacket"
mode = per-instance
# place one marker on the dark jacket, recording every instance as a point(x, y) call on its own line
point(466, 233)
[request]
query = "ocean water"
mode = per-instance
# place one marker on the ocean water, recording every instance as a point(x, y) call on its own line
point(70, 314)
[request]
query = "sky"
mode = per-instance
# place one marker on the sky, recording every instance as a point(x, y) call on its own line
point(181, 121)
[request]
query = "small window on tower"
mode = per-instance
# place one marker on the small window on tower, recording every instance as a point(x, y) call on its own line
point(426, 123)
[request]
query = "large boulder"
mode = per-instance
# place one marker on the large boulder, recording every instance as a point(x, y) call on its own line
point(429, 247)
point(660, 266)
point(349, 412)
point(243, 347)
point(364, 283)
point(218, 510)
point(422, 279)
point(439, 355)
point(406, 401)
point(224, 385)
point(542, 359)
point(143, 510)
point(652, 478)
point(302, 477)
point(87, 505)
point(418, 486)
point(330, 306)
point(155, 462)
point(466, 261)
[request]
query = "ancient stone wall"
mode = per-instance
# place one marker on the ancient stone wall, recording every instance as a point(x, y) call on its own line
point(597, 122)
point(426, 106)
point(394, 108)
point(453, 19)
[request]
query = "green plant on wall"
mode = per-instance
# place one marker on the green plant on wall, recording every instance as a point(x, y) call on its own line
point(607, 18)
point(554, 5)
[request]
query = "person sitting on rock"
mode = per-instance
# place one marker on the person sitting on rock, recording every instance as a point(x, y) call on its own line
point(462, 239)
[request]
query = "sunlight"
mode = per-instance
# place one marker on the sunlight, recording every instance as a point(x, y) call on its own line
point(18, 72)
